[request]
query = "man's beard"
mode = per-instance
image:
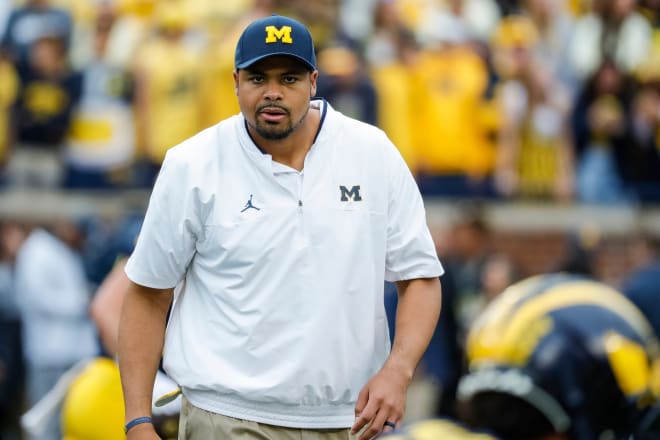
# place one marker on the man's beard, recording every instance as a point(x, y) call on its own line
point(272, 132)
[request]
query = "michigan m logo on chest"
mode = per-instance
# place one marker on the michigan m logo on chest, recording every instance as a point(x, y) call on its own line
point(350, 194)
point(283, 34)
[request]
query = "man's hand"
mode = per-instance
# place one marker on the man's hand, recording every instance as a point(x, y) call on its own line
point(382, 399)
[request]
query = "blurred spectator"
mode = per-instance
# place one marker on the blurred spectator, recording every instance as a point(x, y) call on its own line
point(84, 14)
point(651, 10)
point(9, 84)
point(29, 23)
point(642, 285)
point(11, 352)
point(320, 16)
point(5, 10)
point(99, 149)
point(535, 156)
point(601, 135)
point(478, 17)
point(106, 304)
point(499, 271)
point(614, 30)
point(453, 154)
point(554, 25)
point(49, 92)
point(390, 53)
point(469, 250)
point(356, 17)
point(344, 83)
point(383, 45)
point(99, 387)
point(167, 90)
point(433, 391)
point(218, 93)
point(53, 297)
point(133, 25)
point(581, 255)
point(642, 164)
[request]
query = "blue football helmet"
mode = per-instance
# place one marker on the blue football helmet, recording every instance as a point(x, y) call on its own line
point(572, 355)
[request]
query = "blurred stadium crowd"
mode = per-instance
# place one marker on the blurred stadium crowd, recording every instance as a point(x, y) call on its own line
point(541, 99)
point(545, 100)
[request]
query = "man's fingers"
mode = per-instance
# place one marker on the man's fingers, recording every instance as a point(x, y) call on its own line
point(362, 400)
point(361, 417)
point(379, 423)
point(362, 420)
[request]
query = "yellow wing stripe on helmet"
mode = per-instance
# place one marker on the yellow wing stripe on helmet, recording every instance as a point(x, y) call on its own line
point(628, 362)
point(497, 335)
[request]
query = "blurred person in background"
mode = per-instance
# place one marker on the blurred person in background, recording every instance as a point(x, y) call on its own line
point(9, 88)
point(12, 373)
point(390, 53)
point(99, 148)
point(582, 249)
point(534, 157)
point(642, 283)
point(479, 17)
point(93, 407)
point(498, 272)
point(322, 17)
point(383, 45)
point(218, 93)
point(554, 26)
point(453, 155)
point(53, 297)
point(5, 10)
point(642, 165)
point(651, 10)
point(562, 357)
point(27, 24)
point(469, 249)
point(345, 84)
point(601, 133)
point(132, 27)
point(433, 389)
point(467, 253)
point(49, 93)
point(611, 29)
point(167, 91)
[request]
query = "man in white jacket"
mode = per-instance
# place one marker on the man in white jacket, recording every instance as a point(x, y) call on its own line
point(271, 233)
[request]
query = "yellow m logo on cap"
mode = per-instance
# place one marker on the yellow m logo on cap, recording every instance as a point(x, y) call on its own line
point(283, 34)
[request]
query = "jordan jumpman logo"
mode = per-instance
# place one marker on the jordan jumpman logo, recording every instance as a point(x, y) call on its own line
point(249, 205)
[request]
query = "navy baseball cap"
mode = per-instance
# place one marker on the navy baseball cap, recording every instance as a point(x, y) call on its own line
point(275, 35)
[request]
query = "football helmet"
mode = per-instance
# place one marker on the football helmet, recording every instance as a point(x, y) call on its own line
point(574, 357)
point(436, 429)
point(93, 408)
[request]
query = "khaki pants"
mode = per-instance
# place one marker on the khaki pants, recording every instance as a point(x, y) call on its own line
point(198, 424)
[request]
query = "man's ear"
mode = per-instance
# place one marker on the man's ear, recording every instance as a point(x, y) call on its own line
point(312, 80)
point(236, 81)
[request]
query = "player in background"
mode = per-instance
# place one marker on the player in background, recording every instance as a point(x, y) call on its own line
point(562, 357)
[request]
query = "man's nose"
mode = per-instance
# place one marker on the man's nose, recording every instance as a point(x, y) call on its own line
point(273, 90)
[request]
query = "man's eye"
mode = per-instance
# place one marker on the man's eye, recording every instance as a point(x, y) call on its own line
point(289, 79)
point(257, 79)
